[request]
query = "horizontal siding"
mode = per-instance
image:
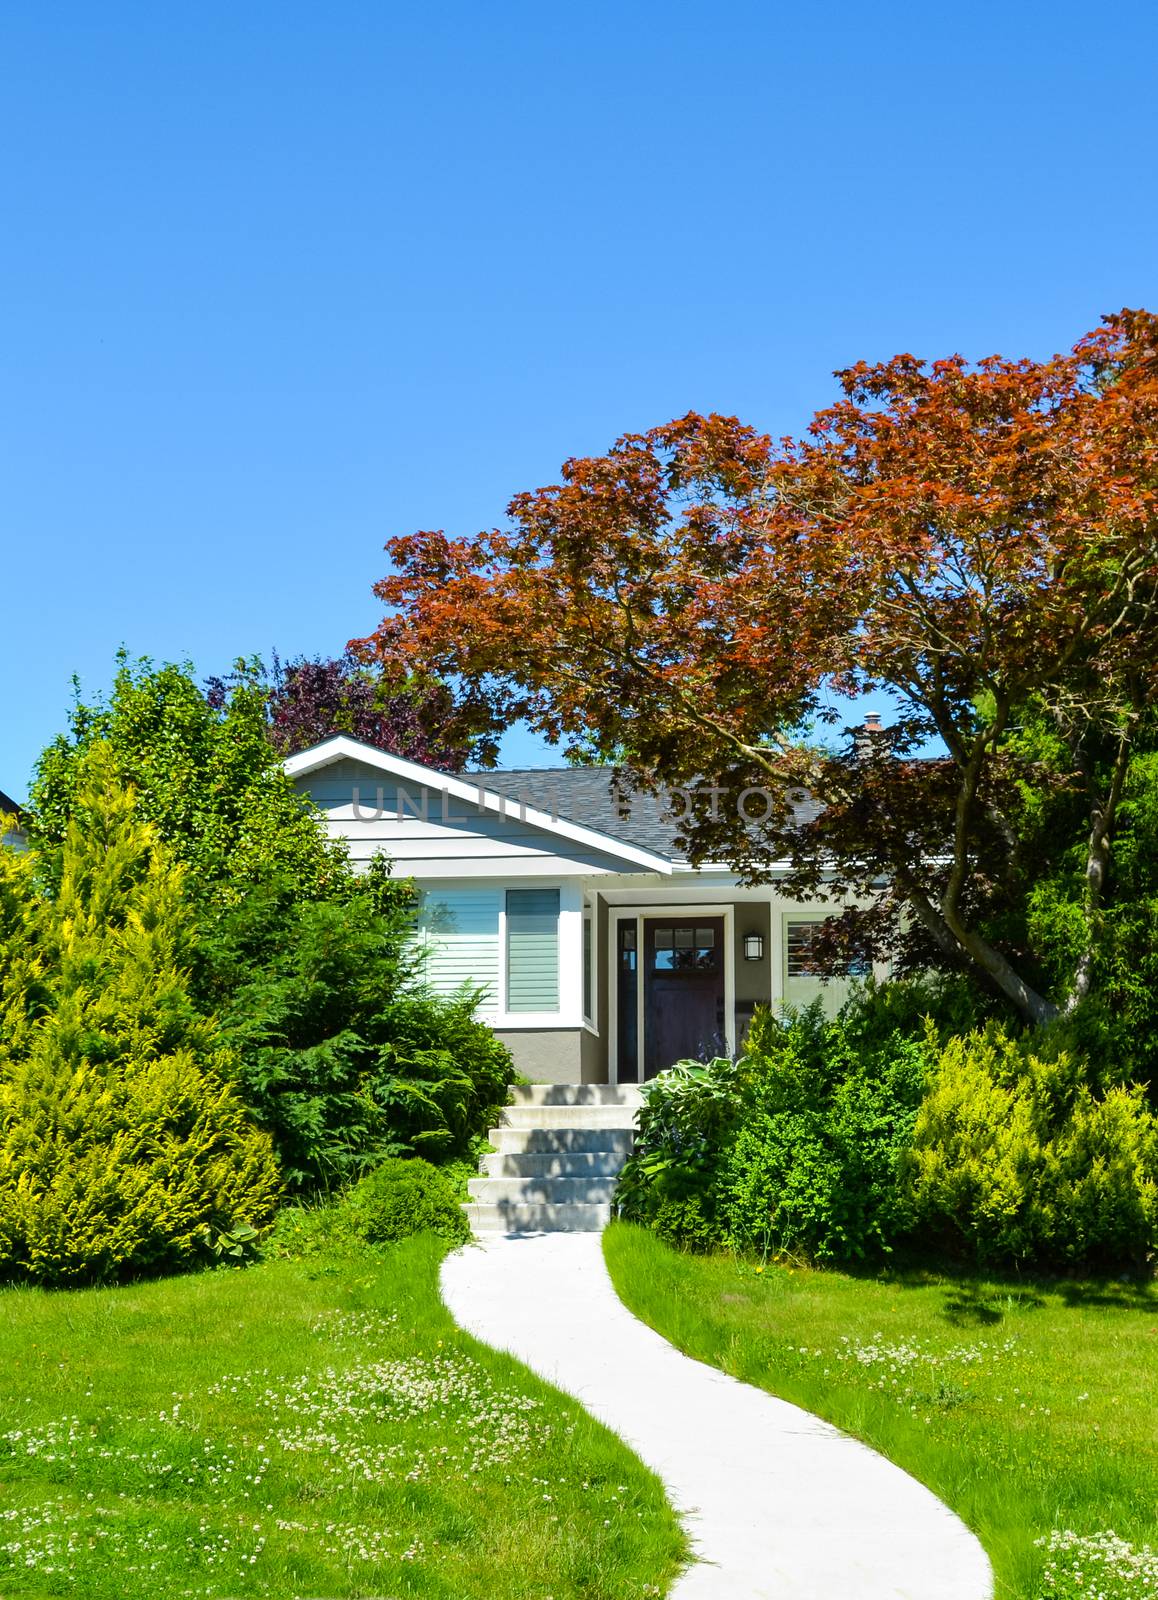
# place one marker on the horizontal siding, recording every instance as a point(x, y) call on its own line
point(460, 932)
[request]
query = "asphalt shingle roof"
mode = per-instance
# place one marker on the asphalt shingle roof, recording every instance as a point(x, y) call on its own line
point(586, 795)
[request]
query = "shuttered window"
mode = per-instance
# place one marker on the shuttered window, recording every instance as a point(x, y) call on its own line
point(803, 963)
point(532, 950)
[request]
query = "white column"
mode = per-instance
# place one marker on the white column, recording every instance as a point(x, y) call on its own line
point(571, 955)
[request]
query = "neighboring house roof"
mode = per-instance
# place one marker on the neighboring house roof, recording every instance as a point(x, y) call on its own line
point(640, 847)
point(13, 837)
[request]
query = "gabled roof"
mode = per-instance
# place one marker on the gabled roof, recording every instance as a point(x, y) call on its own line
point(10, 805)
point(495, 792)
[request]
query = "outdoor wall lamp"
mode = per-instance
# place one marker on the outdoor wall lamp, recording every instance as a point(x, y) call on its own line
point(753, 947)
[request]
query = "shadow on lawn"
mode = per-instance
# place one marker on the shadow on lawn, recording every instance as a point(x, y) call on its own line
point(972, 1301)
point(1122, 1295)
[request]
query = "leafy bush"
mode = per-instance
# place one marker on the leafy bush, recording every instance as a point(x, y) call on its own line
point(400, 1198)
point(688, 1115)
point(123, 1149)
point(1016, 1159)
point(342, 1056)
point(877, 1013)
point(815, 1164)
point(795, 1146)
point(846, 1139)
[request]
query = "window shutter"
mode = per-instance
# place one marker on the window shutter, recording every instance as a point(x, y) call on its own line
point(532, 950)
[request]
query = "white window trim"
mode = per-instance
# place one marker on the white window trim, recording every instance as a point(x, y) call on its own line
point(570, 947)
point(661, 913)
point(590, 917)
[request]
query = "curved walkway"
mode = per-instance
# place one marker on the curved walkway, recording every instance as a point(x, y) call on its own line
point(779, 1505)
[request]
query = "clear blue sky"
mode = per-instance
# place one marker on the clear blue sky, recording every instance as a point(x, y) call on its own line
point(280, 280)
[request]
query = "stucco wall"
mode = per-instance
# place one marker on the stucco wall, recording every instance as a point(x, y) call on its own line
point(547, 1055)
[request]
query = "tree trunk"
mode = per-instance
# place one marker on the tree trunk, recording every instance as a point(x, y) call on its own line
point(955, 940)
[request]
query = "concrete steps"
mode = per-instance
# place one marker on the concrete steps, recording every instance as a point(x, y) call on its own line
point(529, 1217)
point(586, 1116)
point(556, 1159)
point(551, 1141)
point(557, 1164)
point(575, 1094)
point(555, 1190)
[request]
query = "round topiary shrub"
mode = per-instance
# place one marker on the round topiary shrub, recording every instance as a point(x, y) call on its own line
point(406, 1196)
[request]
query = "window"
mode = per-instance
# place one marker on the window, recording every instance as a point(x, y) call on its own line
point(532, 950)
point(684, 949)
point(459, 930)
point(801, 962)
point(799, 936)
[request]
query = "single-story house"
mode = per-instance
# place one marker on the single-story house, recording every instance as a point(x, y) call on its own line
point(603, 953)
point(11, 824)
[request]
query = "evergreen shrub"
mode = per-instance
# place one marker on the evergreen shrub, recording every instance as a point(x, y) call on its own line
point(123, 1147)
point(1015, 1158)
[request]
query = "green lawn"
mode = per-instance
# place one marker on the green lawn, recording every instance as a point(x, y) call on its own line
point(1029, 1409)
point(294, 1428)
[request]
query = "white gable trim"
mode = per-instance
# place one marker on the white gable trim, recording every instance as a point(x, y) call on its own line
point(343, 748)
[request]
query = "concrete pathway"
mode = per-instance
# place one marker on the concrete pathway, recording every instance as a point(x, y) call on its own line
point(779, 1505)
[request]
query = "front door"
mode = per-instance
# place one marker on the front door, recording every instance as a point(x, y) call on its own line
point(683, 991)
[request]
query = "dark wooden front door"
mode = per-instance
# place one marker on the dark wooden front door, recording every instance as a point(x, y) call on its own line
point(683, 991)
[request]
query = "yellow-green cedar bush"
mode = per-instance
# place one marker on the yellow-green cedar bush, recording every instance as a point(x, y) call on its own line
point(1014, 1158)
point(123, 1149)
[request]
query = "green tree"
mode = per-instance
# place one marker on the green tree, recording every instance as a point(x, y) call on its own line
point(123, 1147)
point(204, 773)
point(306, 963)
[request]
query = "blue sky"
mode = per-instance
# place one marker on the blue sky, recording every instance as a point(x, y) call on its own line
point(279, 281)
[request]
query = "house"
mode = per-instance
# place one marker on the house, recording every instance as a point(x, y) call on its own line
point(603, 954)
point(11, 824)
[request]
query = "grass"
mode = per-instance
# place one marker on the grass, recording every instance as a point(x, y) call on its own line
point(316, 1428)
point(1030, 1409)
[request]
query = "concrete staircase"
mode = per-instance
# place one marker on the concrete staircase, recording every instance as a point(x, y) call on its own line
point(556, 1158)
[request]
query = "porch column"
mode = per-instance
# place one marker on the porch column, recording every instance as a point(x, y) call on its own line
point(571, 954)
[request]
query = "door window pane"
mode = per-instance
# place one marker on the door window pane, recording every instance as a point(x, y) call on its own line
point(683, 948)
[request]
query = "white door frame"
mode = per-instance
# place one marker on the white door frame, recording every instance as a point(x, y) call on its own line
point(661, 913)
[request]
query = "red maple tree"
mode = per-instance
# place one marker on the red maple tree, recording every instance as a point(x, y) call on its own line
point(973, 539)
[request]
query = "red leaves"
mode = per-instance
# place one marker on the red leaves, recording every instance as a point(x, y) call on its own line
point(948, 529)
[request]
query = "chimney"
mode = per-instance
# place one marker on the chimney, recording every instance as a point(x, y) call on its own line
point(872, 722)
